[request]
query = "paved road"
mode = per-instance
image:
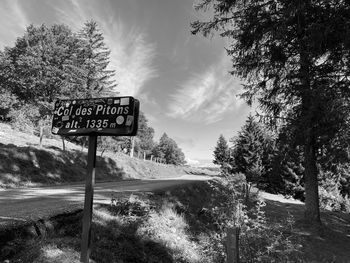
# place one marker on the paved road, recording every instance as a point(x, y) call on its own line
point(21, 205)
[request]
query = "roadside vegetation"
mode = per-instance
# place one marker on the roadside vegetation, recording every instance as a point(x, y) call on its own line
point(187, 224)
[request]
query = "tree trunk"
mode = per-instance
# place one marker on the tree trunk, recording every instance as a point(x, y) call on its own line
point(312, 207)
point(307, 121)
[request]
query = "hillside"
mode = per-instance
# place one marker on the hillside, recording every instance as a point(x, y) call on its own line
point(24, 163)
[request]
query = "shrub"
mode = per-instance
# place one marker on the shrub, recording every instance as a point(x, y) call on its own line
point(333, 192)
point(330, 199)
point(260, 240)
point(130, 207)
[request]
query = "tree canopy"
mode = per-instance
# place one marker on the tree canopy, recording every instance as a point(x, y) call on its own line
point(168, 149)
point(51, 62)
point(251, 150)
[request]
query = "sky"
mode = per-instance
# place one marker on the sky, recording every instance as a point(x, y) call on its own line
point(182, 81)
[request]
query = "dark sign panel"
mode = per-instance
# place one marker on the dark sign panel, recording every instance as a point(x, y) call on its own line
point(100, 116)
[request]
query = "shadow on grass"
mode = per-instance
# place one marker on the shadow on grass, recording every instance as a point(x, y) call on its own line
point(194, 202)
point(328, 243)
point(22, 166)
point(112, 242)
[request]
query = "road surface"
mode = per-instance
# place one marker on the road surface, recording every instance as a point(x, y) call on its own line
point(31, 204)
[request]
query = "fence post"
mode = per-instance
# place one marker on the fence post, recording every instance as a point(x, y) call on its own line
point(132, 146)
point(232, 245)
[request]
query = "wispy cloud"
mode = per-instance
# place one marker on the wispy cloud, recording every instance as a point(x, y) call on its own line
point(133, 60)
point(132, 54)
point(207, 96)
point(13, 21)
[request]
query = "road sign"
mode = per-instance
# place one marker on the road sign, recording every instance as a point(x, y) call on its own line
point(116, 116)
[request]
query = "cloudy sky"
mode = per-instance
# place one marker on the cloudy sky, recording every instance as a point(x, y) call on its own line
point(181, 80)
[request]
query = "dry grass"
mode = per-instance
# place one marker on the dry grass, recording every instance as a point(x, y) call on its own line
point(170, 229)
point(53, 254)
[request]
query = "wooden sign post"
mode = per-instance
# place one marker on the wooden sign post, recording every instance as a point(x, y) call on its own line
point(89, 197)
point(114, 116)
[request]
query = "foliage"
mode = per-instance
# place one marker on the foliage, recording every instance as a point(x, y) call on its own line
point(7, 98)
point(94, 56)
point(221, 151)
point(132, 206)
point(294, 56)
point(252, 151)
point(144, 140)
point(330, 192)
point(287, 167)
point(110, 143)
point(167, 149)
point(260, 240)
point(48, 63)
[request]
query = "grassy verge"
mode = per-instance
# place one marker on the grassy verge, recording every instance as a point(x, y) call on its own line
point(23, 163)
point(179, 225)
point(185, 225)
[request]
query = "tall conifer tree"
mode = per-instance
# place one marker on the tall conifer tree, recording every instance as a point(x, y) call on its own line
point(95, 59)
point(295, 57)
point(221, 151)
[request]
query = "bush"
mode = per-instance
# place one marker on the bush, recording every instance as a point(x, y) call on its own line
point(131, 207)
point(260, 241)
point(333, 193)
point(332, 200)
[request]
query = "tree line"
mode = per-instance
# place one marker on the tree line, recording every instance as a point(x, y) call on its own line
point(53, 62)
point(295, 59)
point(270, 160)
